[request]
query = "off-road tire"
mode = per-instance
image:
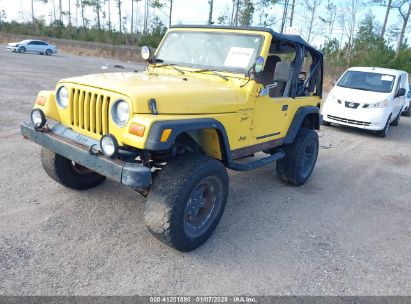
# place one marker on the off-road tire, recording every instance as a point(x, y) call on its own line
point(22, 49)
point(383, 133)
point(49, 52)
point(62, 171)
point(292, 169)
point(170, 195)
point(396, 121)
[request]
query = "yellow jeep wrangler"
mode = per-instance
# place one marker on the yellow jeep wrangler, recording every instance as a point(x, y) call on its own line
point(210, 98)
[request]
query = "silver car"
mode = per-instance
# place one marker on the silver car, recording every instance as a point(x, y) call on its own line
point(32, 46)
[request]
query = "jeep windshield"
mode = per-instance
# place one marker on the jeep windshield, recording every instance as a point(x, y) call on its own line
point(367, 81)
point(229, 52)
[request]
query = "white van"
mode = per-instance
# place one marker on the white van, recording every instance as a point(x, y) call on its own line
point(367, 98)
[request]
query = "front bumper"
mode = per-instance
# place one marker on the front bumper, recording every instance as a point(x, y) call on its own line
point(133, 175)
point(369, 119)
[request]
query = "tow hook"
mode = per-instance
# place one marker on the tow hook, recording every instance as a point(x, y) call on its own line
point(93, 151)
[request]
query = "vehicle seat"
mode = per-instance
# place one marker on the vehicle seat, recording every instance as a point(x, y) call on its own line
point(267, 74)
point(281, 78)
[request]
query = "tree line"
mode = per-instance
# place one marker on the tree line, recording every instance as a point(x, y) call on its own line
point(347, 39)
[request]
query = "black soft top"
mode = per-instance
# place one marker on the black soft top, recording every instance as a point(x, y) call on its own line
point(295, 39)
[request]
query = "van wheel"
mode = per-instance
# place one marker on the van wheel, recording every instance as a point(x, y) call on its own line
point(300, 158)
point(407, 113)
point(396, 121)
point(68, 173)
point(187, 201)
point(383, 133)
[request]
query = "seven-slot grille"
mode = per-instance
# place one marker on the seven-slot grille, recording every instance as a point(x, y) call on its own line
point(89, 111)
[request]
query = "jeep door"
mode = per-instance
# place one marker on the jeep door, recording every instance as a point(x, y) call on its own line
point(270, 116)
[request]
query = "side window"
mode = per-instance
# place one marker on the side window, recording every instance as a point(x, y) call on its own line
point(398, 86)
point(32, 43)
point(304, 87)
point(276, 75)
point(42, 43)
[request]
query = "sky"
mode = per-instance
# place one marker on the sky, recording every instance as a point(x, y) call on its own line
point(196, 12)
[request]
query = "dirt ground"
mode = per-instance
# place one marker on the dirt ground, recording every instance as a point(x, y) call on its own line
point(346, 232)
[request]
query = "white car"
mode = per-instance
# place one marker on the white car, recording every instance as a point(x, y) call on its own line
point(32, 46)
point(367, 98)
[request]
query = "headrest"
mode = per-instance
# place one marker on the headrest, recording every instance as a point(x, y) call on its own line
point(271, 62)
point(282, 71)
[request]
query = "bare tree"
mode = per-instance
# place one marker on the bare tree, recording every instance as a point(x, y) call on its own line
point(119, 16)
point(262, 8)
point(311, 6)
point(349, 13)
point(69, 12)
point(405, 16)
point(60, 11)
point(170, 13)
point(387, 12)
point(292, 13)
point(329, 18)
point(80, 4)
point(132, 19)
point(210, 13)
point(284, 17)
point(232, 12)
point(32, 15)
point(146, 11)
point(109, 14)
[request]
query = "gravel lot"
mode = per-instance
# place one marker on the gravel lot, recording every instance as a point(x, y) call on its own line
point(346, 232)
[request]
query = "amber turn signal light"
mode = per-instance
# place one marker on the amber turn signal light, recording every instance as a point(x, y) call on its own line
point(137, 129)
point(165, 135)
point(41, 100)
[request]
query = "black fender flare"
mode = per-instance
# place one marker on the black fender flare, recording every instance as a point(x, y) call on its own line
point(298, 119)
point(153, 142)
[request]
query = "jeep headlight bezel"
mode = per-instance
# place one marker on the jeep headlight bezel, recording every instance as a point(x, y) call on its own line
point(120, 112)
point(62, 97)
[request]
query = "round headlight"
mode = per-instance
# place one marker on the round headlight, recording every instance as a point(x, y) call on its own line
point(38, 118)
point(145, 52)
point(109, 145)
point(120, 112)
point(63, 97)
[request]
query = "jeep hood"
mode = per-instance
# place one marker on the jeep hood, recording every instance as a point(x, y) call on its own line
point(174, 95)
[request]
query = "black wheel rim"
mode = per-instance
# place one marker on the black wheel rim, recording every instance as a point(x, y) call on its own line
point(308, 160)
point(203, 206)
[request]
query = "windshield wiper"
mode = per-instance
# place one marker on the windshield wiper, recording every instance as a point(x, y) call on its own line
point(214, 72)
point(172, 65)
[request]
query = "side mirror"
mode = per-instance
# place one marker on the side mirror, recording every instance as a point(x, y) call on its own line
point(259, 65)
point(146, 53)
point(401, 92)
